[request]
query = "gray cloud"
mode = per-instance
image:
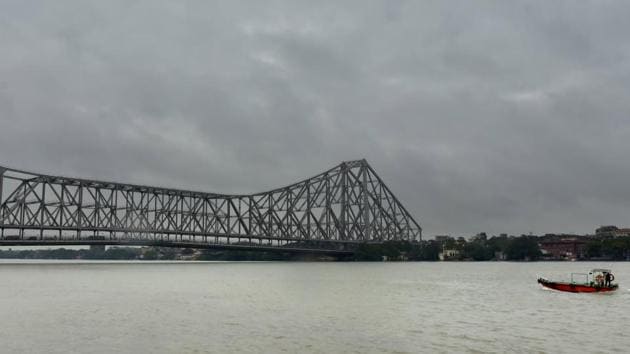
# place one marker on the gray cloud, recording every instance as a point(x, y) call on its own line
point(481, 116)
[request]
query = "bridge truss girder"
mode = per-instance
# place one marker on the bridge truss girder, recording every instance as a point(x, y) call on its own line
point(347, 204)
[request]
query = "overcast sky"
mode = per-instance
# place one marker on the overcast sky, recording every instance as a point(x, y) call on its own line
point(496, 116)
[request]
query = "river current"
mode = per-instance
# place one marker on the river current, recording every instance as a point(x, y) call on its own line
point(275, 307)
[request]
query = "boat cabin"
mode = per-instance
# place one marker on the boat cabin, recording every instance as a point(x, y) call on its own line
point(596, 277)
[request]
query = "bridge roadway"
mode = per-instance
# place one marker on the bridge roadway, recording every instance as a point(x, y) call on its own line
point(330, 213)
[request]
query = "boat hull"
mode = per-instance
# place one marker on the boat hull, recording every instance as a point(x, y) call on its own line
point(576, 288)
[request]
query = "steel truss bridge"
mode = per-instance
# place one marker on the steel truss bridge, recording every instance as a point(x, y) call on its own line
point(330, 213)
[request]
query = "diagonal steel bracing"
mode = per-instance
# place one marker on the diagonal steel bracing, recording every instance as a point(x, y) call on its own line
point(344, 206)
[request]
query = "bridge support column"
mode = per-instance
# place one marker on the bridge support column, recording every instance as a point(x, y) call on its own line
point(366, 205)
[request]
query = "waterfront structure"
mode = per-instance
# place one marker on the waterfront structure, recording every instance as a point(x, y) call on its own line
point(449, 254)
point(332, 212)
point(612, 231)
point(563, 247)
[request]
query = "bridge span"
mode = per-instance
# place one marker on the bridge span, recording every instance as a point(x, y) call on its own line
point(329, 213)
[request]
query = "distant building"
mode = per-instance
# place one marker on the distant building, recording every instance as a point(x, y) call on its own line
point(442, 238)
point(563, 247)
point(605, 231)
point(612, 231)
point(449, 254)
point(500, 256)
point(625, 232)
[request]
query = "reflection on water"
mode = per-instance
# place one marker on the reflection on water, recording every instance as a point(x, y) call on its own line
point(102, 307)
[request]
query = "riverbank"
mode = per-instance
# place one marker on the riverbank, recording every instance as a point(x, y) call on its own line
point(497, 248)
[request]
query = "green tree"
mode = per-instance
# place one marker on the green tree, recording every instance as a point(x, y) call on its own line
point(430, 251)
point(616, 248)
point(594, 248)
point(478, 251)
point(523, 248)
point(150, 254)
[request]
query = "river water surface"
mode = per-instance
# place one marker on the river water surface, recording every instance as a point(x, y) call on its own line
point(136, 307)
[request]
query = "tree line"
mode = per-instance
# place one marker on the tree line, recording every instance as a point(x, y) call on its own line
point(617, 248)
point(503, 247)
point(478, 249)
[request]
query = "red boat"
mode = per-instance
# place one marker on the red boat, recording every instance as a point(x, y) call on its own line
point(596, 281)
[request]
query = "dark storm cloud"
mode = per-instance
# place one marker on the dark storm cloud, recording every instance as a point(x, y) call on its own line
point(481, 116)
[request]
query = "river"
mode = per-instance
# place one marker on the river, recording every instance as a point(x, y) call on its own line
point(276, 307)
